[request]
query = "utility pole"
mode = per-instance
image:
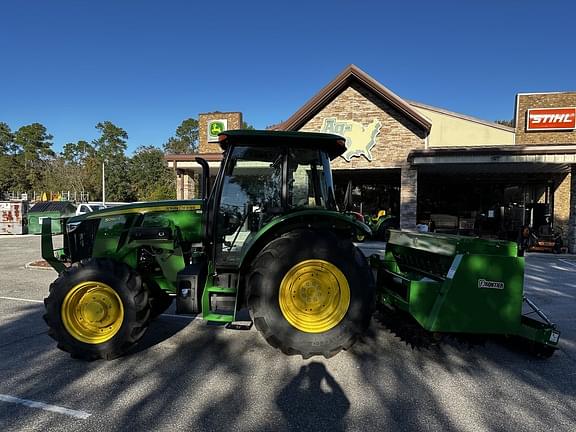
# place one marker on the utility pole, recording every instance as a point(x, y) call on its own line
point(103, 186)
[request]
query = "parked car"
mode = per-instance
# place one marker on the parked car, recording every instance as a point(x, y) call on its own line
point(87, 208)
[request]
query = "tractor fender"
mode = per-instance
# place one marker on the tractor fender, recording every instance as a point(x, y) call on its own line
point(315, 219)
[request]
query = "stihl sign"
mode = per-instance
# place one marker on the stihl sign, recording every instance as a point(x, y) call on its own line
point(551, 119)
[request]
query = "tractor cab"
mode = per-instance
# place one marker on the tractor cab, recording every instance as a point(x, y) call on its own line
point(265, 176)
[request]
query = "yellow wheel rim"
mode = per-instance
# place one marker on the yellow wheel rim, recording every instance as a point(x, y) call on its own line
point(314, 296)
point(92, 312)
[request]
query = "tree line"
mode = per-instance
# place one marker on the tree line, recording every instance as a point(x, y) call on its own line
point(28, 163)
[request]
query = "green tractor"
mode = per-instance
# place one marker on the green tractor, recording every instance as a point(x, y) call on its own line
point(268, 238)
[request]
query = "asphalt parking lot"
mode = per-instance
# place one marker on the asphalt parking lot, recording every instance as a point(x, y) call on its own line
point(186, 375)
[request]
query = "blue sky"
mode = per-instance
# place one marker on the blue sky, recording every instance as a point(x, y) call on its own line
point(147, 65)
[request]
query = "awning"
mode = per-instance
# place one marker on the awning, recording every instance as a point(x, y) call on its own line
point(533, 158)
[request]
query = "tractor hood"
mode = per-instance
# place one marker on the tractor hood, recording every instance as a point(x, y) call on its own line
point(140, 208)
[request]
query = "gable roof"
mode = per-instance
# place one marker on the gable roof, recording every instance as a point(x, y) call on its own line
point(352, 74)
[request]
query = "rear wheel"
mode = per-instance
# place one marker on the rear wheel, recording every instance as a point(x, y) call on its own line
point(310, 293)
point(97, 308)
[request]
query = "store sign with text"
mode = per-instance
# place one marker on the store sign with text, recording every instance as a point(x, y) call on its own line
point(543, 119)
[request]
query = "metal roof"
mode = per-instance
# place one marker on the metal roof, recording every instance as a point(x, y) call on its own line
point(334, 145)
point(49, 206)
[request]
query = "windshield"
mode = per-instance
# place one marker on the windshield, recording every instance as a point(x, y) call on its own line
point(260, 183)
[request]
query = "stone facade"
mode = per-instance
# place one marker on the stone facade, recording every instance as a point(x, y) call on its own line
point(397, 134)
point(234, 122)
point(396, 138)
point(408, 197)
point(543, 100)
point(562, 204)
point(186, 185)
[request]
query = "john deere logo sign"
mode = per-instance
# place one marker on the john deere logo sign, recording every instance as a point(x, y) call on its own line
point(359, 139)
point(215, 127)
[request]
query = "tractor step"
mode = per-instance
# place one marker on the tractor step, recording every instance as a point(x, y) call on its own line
point(219, 301)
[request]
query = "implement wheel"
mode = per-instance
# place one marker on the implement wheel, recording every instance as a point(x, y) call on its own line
point(310, 293)
point(96, 309)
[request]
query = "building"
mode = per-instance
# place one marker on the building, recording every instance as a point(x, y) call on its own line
point(425, 164)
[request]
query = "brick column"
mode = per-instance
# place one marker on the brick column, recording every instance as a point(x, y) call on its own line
point(572, 216)
point(561, 202)
point(191, 191)
point(408, 195)
point(179, 184)
point(194, 189)
point(187, 192)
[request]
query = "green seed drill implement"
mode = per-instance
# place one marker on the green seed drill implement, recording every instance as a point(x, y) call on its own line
point(457, 284)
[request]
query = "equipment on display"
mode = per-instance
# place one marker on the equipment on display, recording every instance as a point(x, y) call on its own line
point(547, 240)
point(458, 284)
point(269, 238)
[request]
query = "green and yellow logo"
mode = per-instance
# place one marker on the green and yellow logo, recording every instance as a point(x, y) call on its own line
point(359, 139)
point(216, 128)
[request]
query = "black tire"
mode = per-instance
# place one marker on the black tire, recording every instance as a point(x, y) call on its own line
point(127, 285)
point(382, 232)
point(158, 299)
point(273, 263)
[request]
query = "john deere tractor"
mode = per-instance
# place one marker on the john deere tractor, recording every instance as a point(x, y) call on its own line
point(268, 238)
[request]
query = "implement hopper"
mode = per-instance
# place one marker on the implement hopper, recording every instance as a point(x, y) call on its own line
point(457, 284)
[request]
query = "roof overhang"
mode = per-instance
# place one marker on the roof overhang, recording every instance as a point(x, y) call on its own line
point(188, 162)
point(209, 157)
point(550, 154)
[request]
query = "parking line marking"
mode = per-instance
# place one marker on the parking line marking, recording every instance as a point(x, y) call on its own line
point(21, 299)
point(45, 407)
point(572, 263)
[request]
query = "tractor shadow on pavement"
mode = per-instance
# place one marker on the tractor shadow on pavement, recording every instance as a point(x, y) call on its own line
point(186, 375)
point(313, 390)
point(189, 376)
point(160, 329)
point(454, 385)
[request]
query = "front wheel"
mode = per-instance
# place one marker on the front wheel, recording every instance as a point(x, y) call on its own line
point(97, 308)
point(310, 293)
